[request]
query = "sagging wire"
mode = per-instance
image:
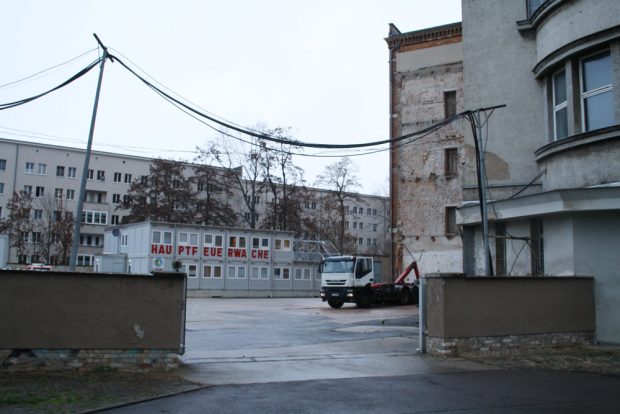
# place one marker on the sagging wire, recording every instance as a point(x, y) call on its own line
point(73, 78)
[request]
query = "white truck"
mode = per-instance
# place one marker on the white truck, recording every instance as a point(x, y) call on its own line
point(352, 279)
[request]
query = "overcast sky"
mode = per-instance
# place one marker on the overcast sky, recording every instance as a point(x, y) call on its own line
point(319, 67)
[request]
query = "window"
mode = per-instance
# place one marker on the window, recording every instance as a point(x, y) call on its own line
point(85, 260)
point(27, 190)
point(91, 174)
point(260, 242)
point(449, 103)
point(188, 239)
point(259, 272)
point(128, 178)
point(302, 274)
point(0, 211)
point(70, 194)
point(374, 242)
point(100, 175)
point(560, 107)
point(354, 210)
point(95, 217)
point(374, 211)
point(30, 168)
point(361, 225)
point(71, 172)
point(213, 240)
point(1, 188)
point(40, 191)
point(597, 91)
point(162, 237)
point(2, 165)
point(374, 227)
point(115, 219)
point(212, 271)
point(281, 273)
point(60, 171)
point(313, 206)
point(236, 272)
point(360, 241)
point(355, 224)
point(191, 270)
point(237, 241)
point(532, 6)
point(38, 214)
point(368, 211)
point(116, 198)
point(118, 177)
point(282, 244)
point(451, 227)
point(451, 159)
point(58, 193)
point(42, 169)
point(367, 242)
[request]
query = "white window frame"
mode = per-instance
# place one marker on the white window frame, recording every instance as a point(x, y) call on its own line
point(211, 273)
point(584, 95)
point(215, 237)
point(29, 169)
point(279, 273)
point(42, 169)
point(71, 172)
point(187, 267)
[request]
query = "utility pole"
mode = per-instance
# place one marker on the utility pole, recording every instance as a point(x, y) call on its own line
point(80, 205)
point(483, 197)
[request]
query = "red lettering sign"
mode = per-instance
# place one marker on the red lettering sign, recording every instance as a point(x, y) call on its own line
point(238, 253)
point(212, 252)
point(260, 254)
point(161, 249)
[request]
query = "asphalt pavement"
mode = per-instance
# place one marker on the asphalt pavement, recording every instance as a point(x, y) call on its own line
point(300, 356)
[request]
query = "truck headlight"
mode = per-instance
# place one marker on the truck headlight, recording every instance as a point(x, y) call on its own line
point(350, 294)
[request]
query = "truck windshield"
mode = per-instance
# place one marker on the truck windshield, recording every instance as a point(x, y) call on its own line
point(338, 266)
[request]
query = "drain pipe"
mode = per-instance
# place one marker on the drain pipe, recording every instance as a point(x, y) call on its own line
point(422, 315)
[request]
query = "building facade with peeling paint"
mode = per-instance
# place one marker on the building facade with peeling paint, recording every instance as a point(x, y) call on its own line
point(426, 84)
point(553, 152)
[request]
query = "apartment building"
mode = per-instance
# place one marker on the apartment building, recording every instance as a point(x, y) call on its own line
point(426, 87)
point(51, 174)
point(552, 154)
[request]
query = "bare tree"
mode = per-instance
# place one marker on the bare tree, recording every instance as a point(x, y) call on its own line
point(285, 182)
point(19, 224)
point(214, 190)
point(340, 178)
point(166, 194)
point(55, 227)
point(242, 163)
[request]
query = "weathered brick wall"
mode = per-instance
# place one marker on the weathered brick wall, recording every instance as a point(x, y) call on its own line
point(126, 360)
point(503, 345)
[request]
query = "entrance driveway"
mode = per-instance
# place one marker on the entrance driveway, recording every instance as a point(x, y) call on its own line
point(243, 341)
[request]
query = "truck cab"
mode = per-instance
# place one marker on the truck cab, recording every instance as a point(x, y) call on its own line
point(347, 279)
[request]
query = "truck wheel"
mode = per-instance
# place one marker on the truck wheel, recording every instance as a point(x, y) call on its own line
point(404, 297)
point(364, 300)
point(336, 304)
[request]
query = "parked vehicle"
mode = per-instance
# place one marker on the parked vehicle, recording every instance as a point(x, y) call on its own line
point(40, 267)
point(351, 279)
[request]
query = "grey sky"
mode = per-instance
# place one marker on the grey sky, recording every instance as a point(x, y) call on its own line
point(319, 67)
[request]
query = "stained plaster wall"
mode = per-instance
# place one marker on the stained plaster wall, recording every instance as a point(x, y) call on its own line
point(424, 190)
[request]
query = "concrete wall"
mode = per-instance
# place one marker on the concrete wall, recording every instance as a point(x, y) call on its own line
point(55, 310)
point(597, 238)
point(498, 62)
point(484, 307)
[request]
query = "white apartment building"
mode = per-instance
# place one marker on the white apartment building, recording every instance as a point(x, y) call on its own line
point(51, 172)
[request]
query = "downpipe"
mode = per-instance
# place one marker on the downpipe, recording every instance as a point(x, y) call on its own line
point(422, 316)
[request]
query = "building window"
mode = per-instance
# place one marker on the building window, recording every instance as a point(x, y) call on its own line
point(58, 193)
point(38, 214)
point(70, 194)
point(60, 171)
point(355, 225)
point(1, 188)
point(162, 237)
point(115, 219)
point(302, 274)
point(260, 243)
point(451, 156)
point(560, 107)
point(95, 217)
point(191, 270)
point(282, 244)
point(596, 93)
point(116, 198)
point(213, 240)
point(360, 241)
point(27, 190)
point(118, 177)
point(259, 272)
point(30, 168)
point(85, 260)
point(212, 272)
point(281, 273)
point(100, 175)
point(71, 172)
point(91, 174)
point(128, 178)
point(237, 242)
point(40, 191)
point(188, 239)
point(449, 103)
point(42, 169)
point(236, 272)
point(2, 165)
point(451, 228)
